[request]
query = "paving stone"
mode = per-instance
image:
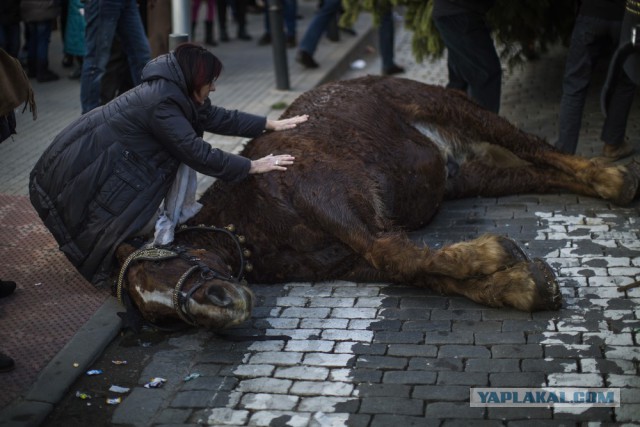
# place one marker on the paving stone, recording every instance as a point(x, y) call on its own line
point(573, 351)
point(409, 377)
point(575, 380)
point(328, 360)
point(607, 366)
point(302, 373)
point(549, 365)
point(389, 337)
point(199, 399)
point(381, 362)
point(432, 364)
point(526, 351)
point(226, 416)
point(476, 326)
point(382, 390)
point(359, 348)
point(486, 338)
point(342, 335)
point(321, 388)
point(253, 370)
point(324, 323)
point(463, 351)
point(405, 314)
point(525, 412)
point(628, 413)
point(139, 406)
point(410, 350)
point(427, 325)
point(264, 385)
point(441, 393)
point(453, 410)
point(382, 420)
point(391, 405)
point(267, 401)
point(172, 416)
point(492, 365)
point(438, 314)
point(583, 414)
point(354, 313)
point(328, 404)
point(277, 358)
point(306, 346)
point(517, 379)
point(446, 337)
point(280, 418)
point(476, 379)
point(559, 338)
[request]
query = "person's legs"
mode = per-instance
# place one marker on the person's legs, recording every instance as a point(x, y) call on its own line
point(386, 44)
point(615, 123)
point(6, 288)
point(222, 19)
point(102, 21)
point(134, 40)
point(473, 57)
point(318, 26)
point(42, 39)
point(290, 12)
point(585, 48)
point(10, 39)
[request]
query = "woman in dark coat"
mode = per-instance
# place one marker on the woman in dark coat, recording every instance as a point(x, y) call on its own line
point(104, 177)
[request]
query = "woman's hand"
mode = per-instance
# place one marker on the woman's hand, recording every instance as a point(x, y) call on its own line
point(271, 163)
point(285, 124)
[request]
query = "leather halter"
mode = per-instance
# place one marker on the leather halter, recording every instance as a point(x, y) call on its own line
point(179, 299)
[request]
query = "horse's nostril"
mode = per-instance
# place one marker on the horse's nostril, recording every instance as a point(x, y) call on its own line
point(218, 296)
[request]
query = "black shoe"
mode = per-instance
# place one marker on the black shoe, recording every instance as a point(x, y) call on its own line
point(6, 363)
point(6, 288)
point(291, 41)
point(264, 40)
point(617, 152)
point(306, 60)
point(67, 61)
point(224, 37)
point(47, 76)
point(243, 35)
point(76, 74)
point(394, 69)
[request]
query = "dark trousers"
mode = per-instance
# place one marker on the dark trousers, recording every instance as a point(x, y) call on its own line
point(473, 62)
point(591, 39)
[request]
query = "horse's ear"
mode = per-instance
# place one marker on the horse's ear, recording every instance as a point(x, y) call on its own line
point(123, 251)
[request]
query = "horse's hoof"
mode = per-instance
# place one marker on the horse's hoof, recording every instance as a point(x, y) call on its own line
point(548, 296)
point(513, 249)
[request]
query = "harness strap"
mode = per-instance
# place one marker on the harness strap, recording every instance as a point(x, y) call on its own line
point(145, 254)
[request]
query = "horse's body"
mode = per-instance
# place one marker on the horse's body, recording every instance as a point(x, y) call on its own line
point(377, 158)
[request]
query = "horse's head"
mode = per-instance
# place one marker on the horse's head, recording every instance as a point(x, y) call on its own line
point(192, 285)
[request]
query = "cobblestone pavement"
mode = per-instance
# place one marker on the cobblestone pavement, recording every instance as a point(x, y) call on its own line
point(393, 355)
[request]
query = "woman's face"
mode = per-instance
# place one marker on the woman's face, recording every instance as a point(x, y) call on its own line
point(199, 95)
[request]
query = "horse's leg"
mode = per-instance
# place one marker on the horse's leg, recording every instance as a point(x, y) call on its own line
point(536, 287)
point(470, 269)
point(485, 169)
point(462, 129)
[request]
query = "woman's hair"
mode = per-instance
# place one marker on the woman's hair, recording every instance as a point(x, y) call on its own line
point(198, 65)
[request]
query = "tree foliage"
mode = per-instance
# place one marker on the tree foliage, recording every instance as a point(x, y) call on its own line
point(522, 28)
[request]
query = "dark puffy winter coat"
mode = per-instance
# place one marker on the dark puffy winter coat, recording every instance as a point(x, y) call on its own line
point(104, 176)
point(39, 10)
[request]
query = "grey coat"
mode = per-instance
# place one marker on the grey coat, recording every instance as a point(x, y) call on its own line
point(104, 176)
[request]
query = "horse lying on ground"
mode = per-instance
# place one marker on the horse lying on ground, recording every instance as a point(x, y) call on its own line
point(376, 159)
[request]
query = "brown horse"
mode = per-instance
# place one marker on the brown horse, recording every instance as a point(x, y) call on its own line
point(376, 159)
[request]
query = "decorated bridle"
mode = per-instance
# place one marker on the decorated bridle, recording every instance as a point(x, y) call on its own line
point(179, 298)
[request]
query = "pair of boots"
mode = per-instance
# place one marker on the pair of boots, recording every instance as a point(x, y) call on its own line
point(209, 39)
point(6, 289)
point(41, 71)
